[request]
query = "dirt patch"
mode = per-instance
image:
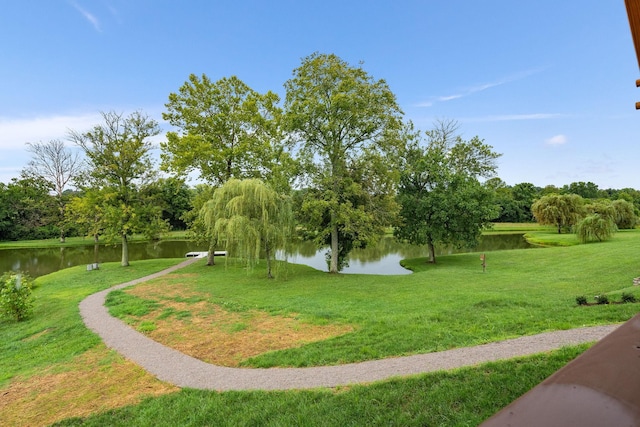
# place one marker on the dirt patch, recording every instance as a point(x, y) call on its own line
point(95, 381)
point(36, 336)
point(189, 323)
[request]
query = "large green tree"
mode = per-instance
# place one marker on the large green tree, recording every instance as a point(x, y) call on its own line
point(118, 152)
point(441, 197)
point(250, 218)
point(225, 130)
point(347, 125)
point(561, 210)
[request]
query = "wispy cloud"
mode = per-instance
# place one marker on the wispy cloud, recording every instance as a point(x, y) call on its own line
point(557, 140)
point(513, 117)
point(88, 16)
point(479, 88)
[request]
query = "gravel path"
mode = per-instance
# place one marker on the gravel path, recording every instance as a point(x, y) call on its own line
point(185, 371)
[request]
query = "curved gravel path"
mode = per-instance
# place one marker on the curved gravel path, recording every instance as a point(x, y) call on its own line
point(181, 370)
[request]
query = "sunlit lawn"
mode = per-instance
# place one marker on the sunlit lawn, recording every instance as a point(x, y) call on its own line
point(450, 304)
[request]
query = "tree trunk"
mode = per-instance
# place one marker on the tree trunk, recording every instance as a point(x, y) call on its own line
point(125, 252)
point(62, 230)
point(211, 255)
point(432, 253)
point(559, 228)
point(267, 254)
point(96, 249)
point(333, 267)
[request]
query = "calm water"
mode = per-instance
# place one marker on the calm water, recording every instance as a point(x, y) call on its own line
point(381, 259)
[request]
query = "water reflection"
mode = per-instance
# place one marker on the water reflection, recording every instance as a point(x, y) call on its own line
point(383, 258)
point(40, 261)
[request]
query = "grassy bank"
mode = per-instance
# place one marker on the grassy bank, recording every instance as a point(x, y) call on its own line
point(81, 241)
point(450, 304)
point(52, 368)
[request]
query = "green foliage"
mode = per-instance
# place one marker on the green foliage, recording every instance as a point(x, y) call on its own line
point(441, 198)
point(625, 216)
point(173, 197)
point(561, 210)
point(602, 299)
point(595, 227)
point(55, 333)
point(628, 297)
point(119, 156)
point(16, 299)
point(586, 190)
point(27, 210)
point(227, 130)
point(515, 202)
point(581, 300)
point(349, 126)
point(250, 218)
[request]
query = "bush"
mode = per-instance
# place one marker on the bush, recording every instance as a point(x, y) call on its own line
point(16, 301)
point(627, 297)
point(602, 299)
point(581, 300)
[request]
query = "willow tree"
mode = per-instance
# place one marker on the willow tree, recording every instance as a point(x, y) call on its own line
point(561, 210)
point(341, 116)
point(249, 217)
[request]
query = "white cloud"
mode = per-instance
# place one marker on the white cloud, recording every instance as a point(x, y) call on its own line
point(557, 140)
point(14, 133)
point(88, 16)
point(481, 87)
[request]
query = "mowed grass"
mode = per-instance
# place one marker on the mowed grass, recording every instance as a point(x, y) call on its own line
point(448, 305)
point(463, 397)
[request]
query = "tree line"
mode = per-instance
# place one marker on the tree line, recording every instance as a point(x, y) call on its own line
point(334, 162)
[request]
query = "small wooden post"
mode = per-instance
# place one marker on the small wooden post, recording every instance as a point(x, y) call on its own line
point(483, 258)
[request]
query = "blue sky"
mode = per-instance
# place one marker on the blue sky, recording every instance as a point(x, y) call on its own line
point(549, 84)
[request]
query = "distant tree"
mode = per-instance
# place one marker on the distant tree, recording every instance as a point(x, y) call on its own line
point(524, 194)
point(595, 226)
point(249, 217)
point(341, 116)
point(54, 163)
point(561, 210)
point(586, 190)
point(441, 197)
point(515, 202)
point(86, 211)
point(27, 210)
point(173, 196)
point(119, 158)
point(625, 217)
point(227, 130)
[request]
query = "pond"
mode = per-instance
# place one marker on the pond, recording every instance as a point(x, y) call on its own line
point(383, 258)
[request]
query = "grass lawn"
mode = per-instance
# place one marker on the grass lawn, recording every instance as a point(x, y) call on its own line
point(450, 304)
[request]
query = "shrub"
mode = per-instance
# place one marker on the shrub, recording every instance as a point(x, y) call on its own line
point(627, 297)
point(602, 299)
point(581, 300)
point(16, 301)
